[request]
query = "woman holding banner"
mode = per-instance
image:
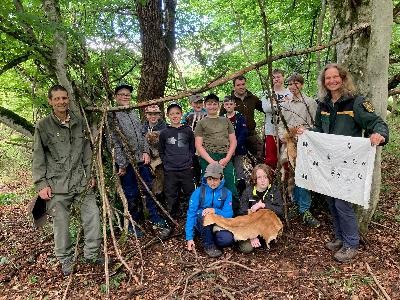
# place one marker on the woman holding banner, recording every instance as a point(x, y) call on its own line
point(341, 111)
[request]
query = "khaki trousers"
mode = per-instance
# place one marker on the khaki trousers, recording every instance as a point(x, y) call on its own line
point(59, 207)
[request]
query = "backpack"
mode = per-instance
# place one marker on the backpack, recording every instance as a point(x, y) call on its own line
point(224, 195)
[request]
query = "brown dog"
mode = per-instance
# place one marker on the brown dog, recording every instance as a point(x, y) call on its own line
point(263, 222)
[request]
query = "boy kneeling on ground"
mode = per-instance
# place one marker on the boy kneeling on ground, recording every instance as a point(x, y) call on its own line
point(210, 197)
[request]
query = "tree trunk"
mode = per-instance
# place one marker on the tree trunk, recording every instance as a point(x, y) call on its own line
point(52, 9)
point(367, 58)
point(157, 32)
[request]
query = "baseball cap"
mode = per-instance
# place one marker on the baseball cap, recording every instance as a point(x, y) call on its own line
point(211, 97)
point(173, 104)
point(152, 109)
point(196, 98)
point(123, 86)
point(214, 170)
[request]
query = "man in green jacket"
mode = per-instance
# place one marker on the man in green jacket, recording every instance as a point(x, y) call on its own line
point(61, 172)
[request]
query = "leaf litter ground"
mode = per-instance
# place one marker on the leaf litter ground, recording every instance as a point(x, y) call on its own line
point(295, 267)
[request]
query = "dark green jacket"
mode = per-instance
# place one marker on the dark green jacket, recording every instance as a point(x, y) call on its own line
point(61, 155)
point(349, 116)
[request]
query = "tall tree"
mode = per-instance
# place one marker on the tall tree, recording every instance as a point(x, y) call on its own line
point(367, 57)
point(157, 33)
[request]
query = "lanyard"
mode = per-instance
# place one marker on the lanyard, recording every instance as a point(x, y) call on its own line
point(265, 193)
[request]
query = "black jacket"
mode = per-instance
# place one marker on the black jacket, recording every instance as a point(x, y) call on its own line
point(177, 148)
point(272, 200)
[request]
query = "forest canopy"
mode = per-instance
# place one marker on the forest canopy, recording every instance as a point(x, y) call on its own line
point(103, 45)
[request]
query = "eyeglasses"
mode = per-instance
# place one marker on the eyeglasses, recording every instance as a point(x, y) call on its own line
point(124, 95)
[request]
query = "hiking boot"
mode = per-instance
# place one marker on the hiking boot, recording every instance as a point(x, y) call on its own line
point(334, 245)
point(213, 251)
point(345, 254)
point(67, 266)
point(309, 220)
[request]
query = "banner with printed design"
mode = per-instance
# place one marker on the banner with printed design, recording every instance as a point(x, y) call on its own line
point(335, 165)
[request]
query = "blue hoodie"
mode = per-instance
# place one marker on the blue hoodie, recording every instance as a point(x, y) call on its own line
point(212, 199)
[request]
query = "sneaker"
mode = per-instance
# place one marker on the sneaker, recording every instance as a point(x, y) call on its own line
point(309, 220)
point(213, 251)
point(67, 266)
point(345, 254)
point(334, 245)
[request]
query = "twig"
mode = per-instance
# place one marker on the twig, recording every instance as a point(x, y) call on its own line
point(384, 226)
point(225, 292)
point(375, 291)
point(247, 289)
point(247, 69)
point(377, 282)
point(71, 276)
point(102, 190)
point(19, 145)
point(395, 264)
point(232, 263)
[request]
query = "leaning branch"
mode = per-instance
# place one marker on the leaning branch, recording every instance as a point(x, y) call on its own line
point(247, 69)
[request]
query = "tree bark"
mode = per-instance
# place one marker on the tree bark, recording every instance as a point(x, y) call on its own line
point(157, 32)
point(367, 57)
point(59, 55)
point(16, 122)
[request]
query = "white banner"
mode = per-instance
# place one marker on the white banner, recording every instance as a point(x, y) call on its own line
point(336, 165)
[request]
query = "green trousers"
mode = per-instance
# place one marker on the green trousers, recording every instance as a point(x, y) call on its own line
point(229, 176)
point(59, 207)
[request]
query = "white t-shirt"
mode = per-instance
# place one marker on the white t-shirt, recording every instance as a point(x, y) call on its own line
point(283, 95)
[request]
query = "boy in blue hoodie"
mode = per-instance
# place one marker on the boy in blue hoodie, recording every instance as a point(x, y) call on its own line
point(211, 197)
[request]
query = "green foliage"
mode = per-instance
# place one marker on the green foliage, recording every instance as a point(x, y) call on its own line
point(378, 216)
point(115, 282)
point(3, 260)
point(15, 165)
point(7, 198)
point(393, 147)
point(351, 284)
point(33, 279)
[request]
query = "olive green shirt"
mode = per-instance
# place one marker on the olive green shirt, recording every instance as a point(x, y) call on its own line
point(61, 155)
point(215, 133)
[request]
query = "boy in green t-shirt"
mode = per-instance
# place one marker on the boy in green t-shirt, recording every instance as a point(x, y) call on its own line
point(215, 142)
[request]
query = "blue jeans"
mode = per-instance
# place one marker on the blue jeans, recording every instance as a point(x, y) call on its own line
point(302, 197)
point(344, 222)
point(223, 238)
point(131, 190)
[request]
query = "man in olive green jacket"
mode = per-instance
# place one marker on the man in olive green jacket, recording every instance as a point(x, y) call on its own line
point(61, 171)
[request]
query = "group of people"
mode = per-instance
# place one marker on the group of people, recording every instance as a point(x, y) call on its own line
point(202, 148)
